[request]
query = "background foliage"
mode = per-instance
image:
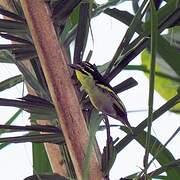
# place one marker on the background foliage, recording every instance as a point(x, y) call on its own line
point(160, 61)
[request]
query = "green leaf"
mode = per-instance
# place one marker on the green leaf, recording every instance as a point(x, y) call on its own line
point(135, 175)
point(63, 9)
point(34, 137)
point(32, 104)
point(8, 83)
point(163, 13)
point(74, 16)
point(16, 38)
point(13, 46)
point(27, 52)
point(46, 176)
point(95, 120)
point(164, 108)
point(71, 25)
point(31, 128)
point(123, 16)
point(171, 16)
point(70, 30)
point(31, 80)
point(5, 57)
point(3, 145)
point(161, 177)
point(125, 85)
point(169, 54)
point(82, 33)
point(41, 162)
point(11, 15)
point(127, 37)
point(165, 87)
point(164, 157)
point(154, 34)
point(12, 119)
point(108, 156)
point(38, 110)
point(101, 8)
point(144, 69)
point(166, 167)
point(88, 58)
point(15, 27)
point(43, 116)
point(17, 7)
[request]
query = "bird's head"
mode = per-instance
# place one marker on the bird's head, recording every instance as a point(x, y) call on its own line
point(88, 74)
point(84, 71)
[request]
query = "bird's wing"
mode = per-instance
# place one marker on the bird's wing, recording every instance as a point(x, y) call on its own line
point(118, 102)
point(122, 115)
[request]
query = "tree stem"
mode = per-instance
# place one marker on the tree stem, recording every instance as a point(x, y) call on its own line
point(53, 60)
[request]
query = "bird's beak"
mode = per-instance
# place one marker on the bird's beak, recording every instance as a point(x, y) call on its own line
point(75, 66)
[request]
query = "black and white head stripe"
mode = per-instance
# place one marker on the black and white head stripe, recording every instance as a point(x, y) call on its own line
point(88, 67)
point(92, 69)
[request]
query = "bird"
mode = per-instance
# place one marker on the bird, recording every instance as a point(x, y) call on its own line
point(101, 94)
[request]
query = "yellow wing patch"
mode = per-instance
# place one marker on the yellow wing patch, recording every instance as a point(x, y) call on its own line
point(105, 87)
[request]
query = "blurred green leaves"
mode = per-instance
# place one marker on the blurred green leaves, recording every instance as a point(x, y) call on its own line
point(166, 87)
point(159, 152)
point(8, 83)
point(5, 57)
point(37, 106)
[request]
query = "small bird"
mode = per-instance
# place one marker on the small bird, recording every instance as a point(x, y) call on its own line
point(101, 94)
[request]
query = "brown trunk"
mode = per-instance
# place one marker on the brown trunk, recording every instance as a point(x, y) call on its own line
point(53, 61)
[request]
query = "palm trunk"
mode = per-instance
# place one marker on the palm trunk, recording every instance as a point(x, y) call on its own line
point(53, 61)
